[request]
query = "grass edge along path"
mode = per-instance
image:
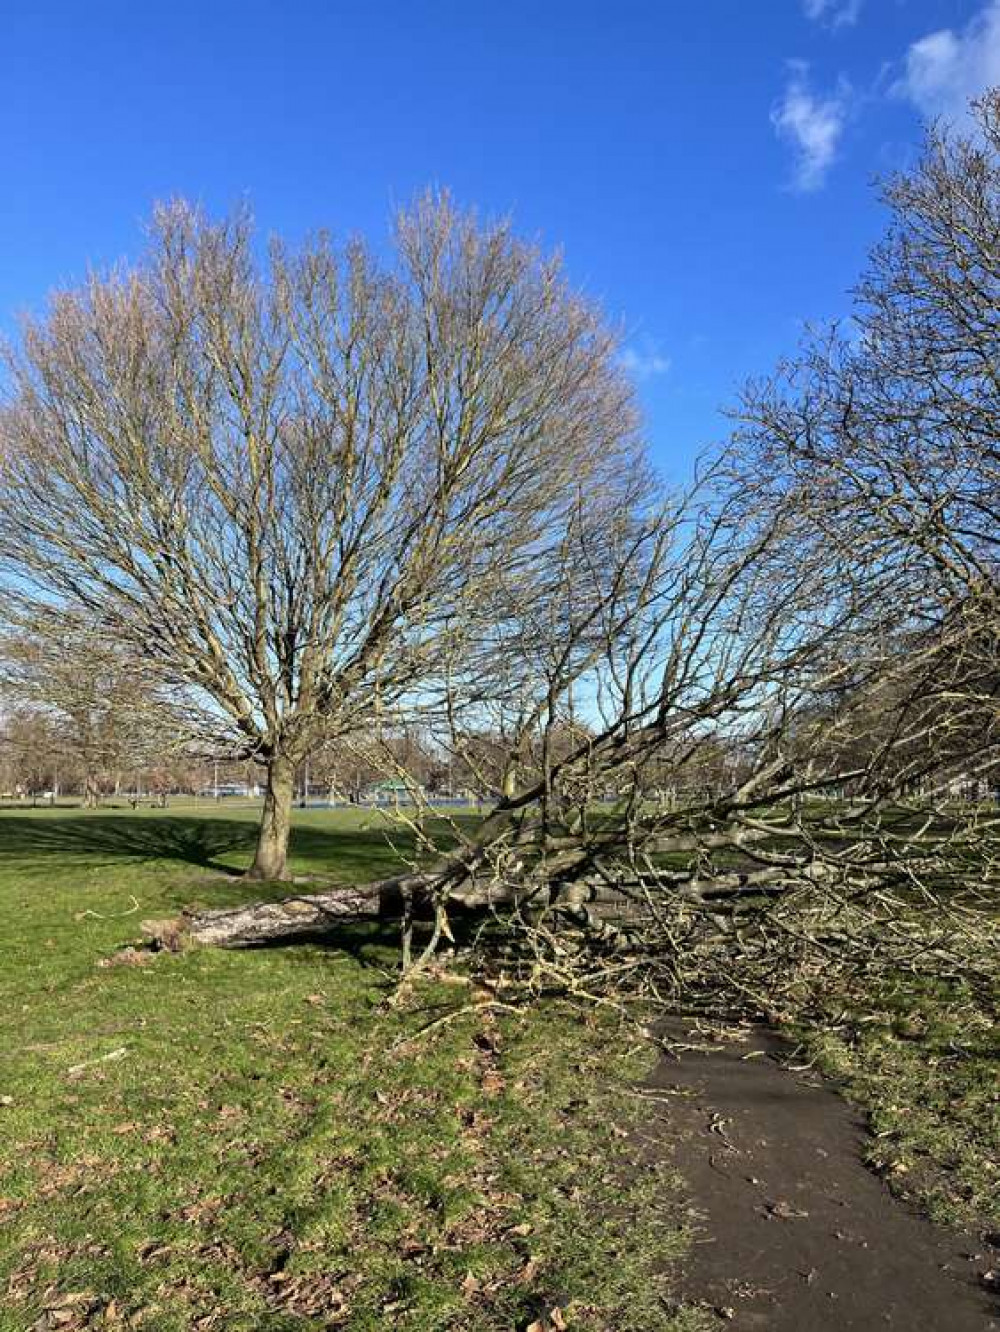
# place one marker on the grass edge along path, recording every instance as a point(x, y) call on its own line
point(922, 1060)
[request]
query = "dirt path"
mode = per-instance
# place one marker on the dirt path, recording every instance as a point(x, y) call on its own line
point(799, 1236)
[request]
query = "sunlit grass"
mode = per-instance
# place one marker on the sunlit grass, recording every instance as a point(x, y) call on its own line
point(263, 1140)
point(923, 1058)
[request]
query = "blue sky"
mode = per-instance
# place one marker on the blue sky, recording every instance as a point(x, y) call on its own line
point(706, 167)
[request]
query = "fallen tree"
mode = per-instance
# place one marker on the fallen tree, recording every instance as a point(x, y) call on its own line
point(753, 736)
point(738, 821)
point(730, 893)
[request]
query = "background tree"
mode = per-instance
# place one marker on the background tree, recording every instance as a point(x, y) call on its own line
point(106, 716)
point(890, 431)
point(300, 489)
point(31, 756)
point(889, 436)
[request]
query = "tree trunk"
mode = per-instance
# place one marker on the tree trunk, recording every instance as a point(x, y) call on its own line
point(315, 913)
point(275, 824)
point(261, 922)
point(409, 895)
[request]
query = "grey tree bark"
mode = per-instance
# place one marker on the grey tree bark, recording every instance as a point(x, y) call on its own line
point(271, 856)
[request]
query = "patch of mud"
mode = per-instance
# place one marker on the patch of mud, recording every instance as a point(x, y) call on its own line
point(796, 1234)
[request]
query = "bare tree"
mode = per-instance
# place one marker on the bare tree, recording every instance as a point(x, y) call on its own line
point(105, 712)
point(888, 435)
point(31, 757)
point(890, 429)
point(304, 489)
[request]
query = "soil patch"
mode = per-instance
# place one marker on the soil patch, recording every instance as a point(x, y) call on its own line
point(796, 1234)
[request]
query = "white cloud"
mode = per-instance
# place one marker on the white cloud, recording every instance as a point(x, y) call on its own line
point(833, 13)
point(644, 364)
point(947, 68)
point(813, 125)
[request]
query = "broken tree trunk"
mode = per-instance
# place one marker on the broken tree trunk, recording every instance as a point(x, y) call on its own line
point(307, 913)
point(313, 914)
point(263, 922)
point(564, 881)
point(453, 877)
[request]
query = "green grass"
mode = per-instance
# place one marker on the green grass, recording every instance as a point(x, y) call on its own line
point(922, 1059)
point(262, 1140)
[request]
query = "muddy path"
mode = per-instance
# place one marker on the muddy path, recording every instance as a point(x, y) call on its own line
point(795, 1233)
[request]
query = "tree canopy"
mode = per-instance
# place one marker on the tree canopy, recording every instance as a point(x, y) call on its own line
point(297, 486)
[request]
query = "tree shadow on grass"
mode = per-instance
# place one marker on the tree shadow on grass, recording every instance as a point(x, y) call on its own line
point(373, 943)
point(341, 853)
point(103, 839)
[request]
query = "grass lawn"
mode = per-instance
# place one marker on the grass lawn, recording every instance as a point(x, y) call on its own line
point(258, 1140)
point(923, 1059)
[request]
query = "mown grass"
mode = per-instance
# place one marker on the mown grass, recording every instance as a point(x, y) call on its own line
point(923, 1059)
point(263, 1140)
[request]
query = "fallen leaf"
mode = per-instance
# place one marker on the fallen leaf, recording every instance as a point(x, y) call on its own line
point(71, 1298)
point(784, 1210)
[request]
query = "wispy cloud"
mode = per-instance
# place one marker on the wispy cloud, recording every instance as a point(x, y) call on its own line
point(833, 13)
point(644, 364)
point(812, 124)
point(946, 69)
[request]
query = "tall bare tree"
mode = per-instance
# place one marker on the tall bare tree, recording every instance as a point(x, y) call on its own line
point(890, 427)
point(303, 489)
point(888, 434)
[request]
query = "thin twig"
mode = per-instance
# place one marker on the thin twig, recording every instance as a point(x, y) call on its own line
point(120, 1053)
point(448, 1017)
